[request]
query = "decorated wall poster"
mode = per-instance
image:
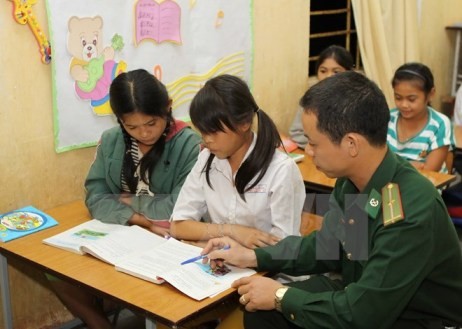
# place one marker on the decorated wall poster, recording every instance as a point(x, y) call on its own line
point(182, 42)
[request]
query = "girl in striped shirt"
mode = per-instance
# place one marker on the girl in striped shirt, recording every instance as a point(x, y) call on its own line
point(416, 131)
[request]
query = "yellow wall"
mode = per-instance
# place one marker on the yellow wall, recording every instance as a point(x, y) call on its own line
point(32, 173)
point(437, 44)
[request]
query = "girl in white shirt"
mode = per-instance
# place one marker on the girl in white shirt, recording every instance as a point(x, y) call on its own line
point(242, 185)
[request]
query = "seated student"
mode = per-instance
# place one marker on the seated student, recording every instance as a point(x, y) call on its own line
point(241, 186)
point(137, 173)
point(416, 131)
point(387, 231)
point(332, 60)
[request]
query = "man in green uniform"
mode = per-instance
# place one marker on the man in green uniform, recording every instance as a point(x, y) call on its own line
point(387, 231)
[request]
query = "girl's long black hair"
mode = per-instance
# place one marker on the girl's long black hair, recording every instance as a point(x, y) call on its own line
point(226, 101)
point(140, 91)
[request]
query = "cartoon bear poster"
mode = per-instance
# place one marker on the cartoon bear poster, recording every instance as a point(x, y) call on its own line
point(92, 64)
point(183, 42)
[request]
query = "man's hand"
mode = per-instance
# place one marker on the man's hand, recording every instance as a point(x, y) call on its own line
point(257, 292)
point(235, 254)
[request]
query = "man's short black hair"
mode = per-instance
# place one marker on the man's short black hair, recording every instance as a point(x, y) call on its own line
point(348, 102)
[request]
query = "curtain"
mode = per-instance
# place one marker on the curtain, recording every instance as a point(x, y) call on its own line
point(388, 37)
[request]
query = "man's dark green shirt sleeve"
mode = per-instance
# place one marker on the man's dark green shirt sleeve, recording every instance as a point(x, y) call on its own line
point(411, 269)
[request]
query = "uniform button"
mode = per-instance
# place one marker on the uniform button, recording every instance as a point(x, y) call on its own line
point(292, 316)
point(351, 221)
point(349, 255)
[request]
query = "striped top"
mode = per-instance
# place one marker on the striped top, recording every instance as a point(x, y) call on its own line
point(436, 133)
point(142, 188)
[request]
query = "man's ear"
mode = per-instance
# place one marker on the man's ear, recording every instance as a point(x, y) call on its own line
point(353, 143)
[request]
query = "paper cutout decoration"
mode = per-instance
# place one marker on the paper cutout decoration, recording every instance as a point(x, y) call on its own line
point(24, 221)
point(22, 13)
point(220, 16)
point(92, 65)
point(159, 22)
point(158, 72)
point(183, 90)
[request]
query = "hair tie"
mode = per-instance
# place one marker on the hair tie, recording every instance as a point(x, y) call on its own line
point(413, 73)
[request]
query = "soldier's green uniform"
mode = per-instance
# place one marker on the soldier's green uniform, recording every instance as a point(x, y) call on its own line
point(405, 274)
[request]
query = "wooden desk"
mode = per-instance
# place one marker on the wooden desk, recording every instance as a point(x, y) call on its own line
point(310, 223)
point(438, 179)
point(314, 179)
point(157, 302)
point(318, 181)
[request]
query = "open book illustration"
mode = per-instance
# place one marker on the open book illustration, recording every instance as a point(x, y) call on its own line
point(24, 221)
point(158, 21)
point(140, 253)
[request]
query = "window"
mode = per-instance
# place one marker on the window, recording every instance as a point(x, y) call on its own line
point(332, 22)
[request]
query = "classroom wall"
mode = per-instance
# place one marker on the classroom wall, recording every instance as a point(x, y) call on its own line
point(437, 44)
point(32, 173)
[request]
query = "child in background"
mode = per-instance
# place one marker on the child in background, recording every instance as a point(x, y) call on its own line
point(241, 186)
point(332, 60)
point(137, 173)
point(416, 131)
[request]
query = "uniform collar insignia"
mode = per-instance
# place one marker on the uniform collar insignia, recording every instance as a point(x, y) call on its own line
point(374, 203)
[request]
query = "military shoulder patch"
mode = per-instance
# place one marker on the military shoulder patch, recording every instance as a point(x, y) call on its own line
point(391, 204)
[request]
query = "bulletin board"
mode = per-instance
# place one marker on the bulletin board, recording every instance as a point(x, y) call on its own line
point(182, 42)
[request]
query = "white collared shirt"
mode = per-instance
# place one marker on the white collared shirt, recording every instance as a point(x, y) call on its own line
point(274, 205)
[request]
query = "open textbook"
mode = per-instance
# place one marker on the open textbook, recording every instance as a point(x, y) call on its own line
point(140, 253)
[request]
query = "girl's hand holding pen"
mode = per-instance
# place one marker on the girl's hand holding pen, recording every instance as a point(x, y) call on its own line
point(235, 254)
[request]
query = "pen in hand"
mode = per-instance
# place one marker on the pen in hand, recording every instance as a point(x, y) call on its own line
point(192, 260)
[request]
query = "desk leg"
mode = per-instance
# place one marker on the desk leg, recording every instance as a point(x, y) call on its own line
point(4, 286)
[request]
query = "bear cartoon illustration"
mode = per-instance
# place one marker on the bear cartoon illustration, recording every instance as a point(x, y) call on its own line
point(92, 65)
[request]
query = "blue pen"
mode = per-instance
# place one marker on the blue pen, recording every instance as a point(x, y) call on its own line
point(192, 260)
